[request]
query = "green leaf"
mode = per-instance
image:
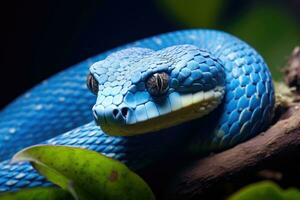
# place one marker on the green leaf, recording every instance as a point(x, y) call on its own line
point(265, 190)
point(291, 194)
point(258, 191)
point(37, 193)
point(86, 174)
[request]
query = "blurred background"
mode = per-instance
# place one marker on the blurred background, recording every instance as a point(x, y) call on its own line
point(40, 38)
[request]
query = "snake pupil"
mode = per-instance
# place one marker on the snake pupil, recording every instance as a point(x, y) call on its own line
point(92, 84)
point(158, 82)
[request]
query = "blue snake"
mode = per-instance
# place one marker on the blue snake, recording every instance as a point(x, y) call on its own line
point(189, 91)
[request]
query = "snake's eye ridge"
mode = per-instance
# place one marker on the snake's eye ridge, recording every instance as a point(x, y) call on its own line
point(158, 84)
point(92, 84)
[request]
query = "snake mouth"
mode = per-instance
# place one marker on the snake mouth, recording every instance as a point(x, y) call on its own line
point(176, 109)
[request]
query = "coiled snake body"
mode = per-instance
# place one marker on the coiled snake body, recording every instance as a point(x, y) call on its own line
point(186, 91)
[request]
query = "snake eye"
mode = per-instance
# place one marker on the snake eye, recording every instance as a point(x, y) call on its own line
point(92, 84)
point(158, 84)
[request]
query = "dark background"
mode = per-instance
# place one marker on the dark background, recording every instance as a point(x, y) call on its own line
point(44, 37)
point(40, 38)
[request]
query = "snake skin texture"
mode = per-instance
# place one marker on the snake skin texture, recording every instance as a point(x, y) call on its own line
point(195, 76)
point(62, 103)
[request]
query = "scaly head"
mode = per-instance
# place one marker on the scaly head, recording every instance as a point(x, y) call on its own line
point(140, 90)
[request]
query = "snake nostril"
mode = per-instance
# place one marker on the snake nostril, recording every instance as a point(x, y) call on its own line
point(124, 111)
point(115, 112)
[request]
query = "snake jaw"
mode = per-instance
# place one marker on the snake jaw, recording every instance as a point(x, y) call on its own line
point(191, 106)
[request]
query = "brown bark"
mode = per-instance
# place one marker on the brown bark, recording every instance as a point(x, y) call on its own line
point(292, 70)
point(200, 175)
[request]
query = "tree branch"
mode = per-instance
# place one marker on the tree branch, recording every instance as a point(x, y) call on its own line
point(200, 175)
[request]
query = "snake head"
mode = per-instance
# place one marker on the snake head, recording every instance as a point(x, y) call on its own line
point(140, 90)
